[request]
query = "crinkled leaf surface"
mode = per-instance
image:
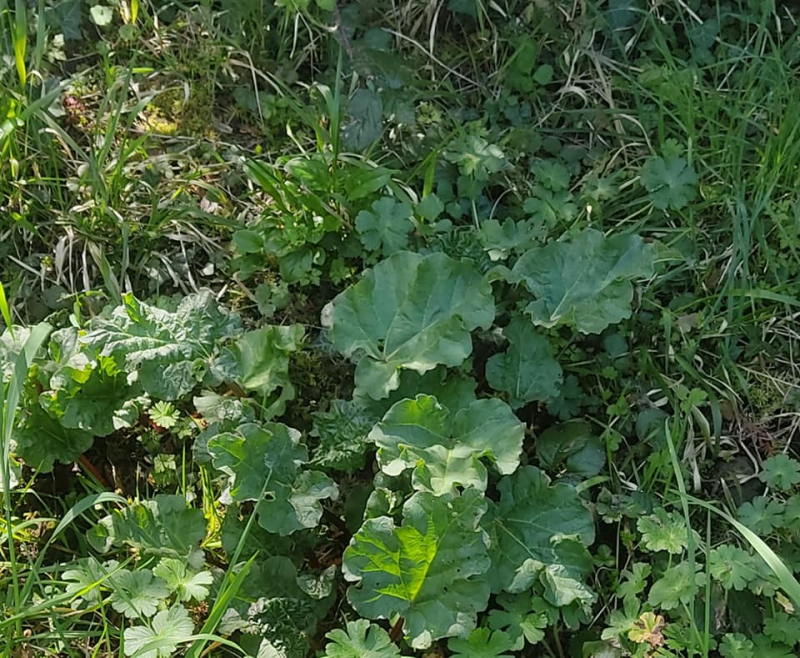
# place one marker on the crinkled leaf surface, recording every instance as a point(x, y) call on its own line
point(527, 371)
point(386, 226)
point(445, 449)
point(169, 351)
point(585, 283)
point(163, 525)
point(528, 525)
point(168, 629)
point(254, 454)
point(102, 404)
point(264, 464)
point(42, 441)
point(342, 431)
point(361, 640)
point(410, 311)
point(430, 570)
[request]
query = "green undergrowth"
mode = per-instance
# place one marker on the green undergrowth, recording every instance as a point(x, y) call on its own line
point(376, 330)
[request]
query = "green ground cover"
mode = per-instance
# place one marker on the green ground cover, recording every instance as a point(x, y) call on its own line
point(399, 328)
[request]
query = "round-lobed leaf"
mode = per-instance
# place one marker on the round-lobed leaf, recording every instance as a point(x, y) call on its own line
point(410, 311)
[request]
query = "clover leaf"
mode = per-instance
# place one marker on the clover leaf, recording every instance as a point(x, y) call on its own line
point(386, 228)
point(647, 629)
point(427, 571)
point(500, 240)
point(732, 567)
point(519, 618)
point(762, 514)
point(482, 643)
point(83, 578)
point(443, 449)
point(765, 648)
point(551, 174)
point(782, 628)
point(361, 640)
point(161, 638)
point(137, 593)
point(186, 583)
point(679, 585)
point(476, 157)
point(780, 472)
point(664, 531)
point(547, 208)
point(634, 580)
point(670, 183)
point(410, 311)
point(736, 645)
point(585, 283)
point(527, 371)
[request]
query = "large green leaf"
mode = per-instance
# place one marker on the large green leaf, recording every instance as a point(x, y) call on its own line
point(571, 445)
point(261, 359)
point(365, 110)
point(101, 404)
point(41, 441)
point(161, 526)
point(429, 571)
point(452, 388)
point(527, 530)
point(263, 463)
point(527, 371)
point(169, 351)
point(585, 283)
point(444, 449)
point(410, 311)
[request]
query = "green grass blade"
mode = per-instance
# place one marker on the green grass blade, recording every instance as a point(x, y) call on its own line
point(20, 39)
point(5, 311)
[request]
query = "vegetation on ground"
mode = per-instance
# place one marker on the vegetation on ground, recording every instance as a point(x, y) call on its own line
point(382, 329)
